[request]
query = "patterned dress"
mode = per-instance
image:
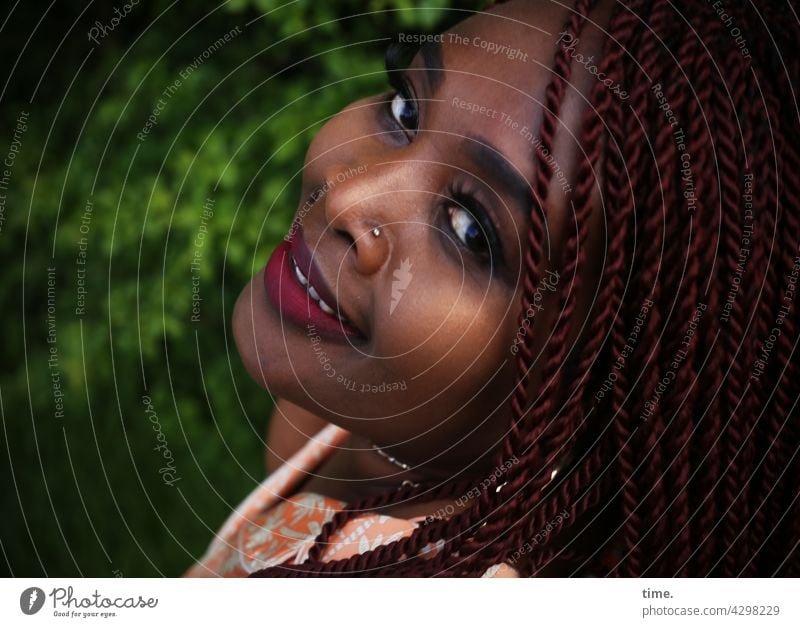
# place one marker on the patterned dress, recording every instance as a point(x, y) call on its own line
point(276, 525)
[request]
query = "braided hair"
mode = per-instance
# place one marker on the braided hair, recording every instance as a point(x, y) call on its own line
point(679, 409)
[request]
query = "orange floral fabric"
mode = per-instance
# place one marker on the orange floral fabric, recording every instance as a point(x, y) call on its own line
point(272, 526)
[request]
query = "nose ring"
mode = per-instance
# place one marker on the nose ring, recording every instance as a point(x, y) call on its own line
point(376, 232)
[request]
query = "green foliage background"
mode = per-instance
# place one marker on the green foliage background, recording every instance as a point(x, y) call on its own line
point(82, 494)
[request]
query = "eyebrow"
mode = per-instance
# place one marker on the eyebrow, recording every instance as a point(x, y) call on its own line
point(432, 64)
point(500, 169)
point(480, 149)
point(398, 57)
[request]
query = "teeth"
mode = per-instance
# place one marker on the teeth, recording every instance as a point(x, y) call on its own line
point(314, 294)
point(329, 310)
point(300, 277)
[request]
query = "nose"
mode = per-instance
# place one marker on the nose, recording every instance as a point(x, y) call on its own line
point(362, 207)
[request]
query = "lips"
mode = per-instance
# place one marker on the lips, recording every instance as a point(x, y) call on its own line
point(296, 288)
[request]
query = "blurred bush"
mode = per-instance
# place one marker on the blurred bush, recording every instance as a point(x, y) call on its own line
point(83, 491)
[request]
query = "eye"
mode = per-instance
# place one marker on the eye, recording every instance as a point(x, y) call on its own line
point(469, 231)
point(404, 111)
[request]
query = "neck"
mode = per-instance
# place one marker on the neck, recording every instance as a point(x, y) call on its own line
point(356, 471)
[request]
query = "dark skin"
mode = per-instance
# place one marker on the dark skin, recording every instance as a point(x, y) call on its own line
point(449, 337)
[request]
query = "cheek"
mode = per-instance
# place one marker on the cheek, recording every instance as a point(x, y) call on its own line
point(448, 333)
point(336, 136)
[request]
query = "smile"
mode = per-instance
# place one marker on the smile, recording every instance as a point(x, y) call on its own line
point(300, 295)
point(303, 280)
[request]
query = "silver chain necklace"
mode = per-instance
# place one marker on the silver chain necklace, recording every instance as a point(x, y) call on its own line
point(392, 460)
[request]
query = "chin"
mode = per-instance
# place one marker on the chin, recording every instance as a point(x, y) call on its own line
point(264, 346)
point(250, 319)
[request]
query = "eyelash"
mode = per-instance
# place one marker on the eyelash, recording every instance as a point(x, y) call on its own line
point(398, 81)
point(401, 87)
point(461, 197)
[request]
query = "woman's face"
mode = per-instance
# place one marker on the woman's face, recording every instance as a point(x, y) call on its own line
point(441, 165)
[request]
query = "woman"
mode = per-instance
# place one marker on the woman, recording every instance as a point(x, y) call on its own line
point(629, 175)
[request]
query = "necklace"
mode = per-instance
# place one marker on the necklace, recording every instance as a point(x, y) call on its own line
point(392, 460)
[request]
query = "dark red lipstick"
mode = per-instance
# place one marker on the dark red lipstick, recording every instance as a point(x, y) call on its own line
point(298, 291)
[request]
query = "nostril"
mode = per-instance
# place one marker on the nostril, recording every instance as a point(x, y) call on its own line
point(346, 236)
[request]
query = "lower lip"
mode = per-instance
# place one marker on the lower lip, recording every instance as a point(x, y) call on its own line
point(293, 303)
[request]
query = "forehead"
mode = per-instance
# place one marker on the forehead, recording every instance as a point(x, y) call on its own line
point(512, 44)
point(496, 67)
point(487, 78)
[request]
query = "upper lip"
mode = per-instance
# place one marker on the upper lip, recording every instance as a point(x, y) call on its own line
point(308, 266)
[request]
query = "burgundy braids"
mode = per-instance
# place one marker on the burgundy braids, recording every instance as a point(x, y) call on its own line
point(688, 464)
